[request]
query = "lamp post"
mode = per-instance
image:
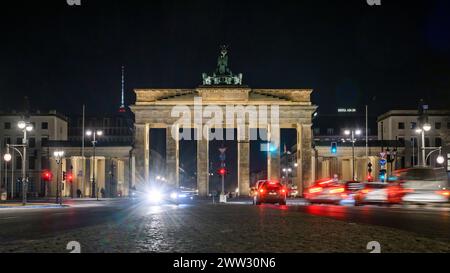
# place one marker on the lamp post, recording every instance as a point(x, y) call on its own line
point(425, 128)
point(25, 127)
point(352, 133)
point(94, 134)
point(58, 155)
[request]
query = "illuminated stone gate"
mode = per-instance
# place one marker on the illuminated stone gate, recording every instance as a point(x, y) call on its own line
point(154, 109)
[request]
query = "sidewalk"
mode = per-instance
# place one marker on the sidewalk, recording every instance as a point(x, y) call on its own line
point(19, 205)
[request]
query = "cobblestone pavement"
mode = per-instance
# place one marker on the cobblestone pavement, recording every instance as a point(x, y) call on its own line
point(203, 227)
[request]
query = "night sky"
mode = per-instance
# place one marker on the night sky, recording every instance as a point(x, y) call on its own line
point(347, 51)
point(350, 53)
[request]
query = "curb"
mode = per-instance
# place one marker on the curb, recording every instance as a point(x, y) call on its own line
point(34, 207)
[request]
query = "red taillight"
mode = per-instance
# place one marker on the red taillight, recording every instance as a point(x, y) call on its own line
point(315, 190)
point(365, 191)
point(261, 191)
point(283, 190)
point(444, 193)
point(337, 190)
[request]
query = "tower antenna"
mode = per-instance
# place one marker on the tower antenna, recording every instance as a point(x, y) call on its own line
point(122, 108)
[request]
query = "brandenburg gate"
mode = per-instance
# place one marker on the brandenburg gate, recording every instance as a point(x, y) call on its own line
point(207, 108)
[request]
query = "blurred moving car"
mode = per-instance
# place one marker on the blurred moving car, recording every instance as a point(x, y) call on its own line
point(423, 184)
point(270, 192)
point(332, 191)
point(159, 194)
point(379, 193)
point(372, 192)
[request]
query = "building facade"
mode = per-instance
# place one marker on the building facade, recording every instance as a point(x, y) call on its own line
point(401, 125)
point(47, 126)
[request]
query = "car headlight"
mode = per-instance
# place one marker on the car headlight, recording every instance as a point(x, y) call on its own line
point(154, 196)
point(173, 195)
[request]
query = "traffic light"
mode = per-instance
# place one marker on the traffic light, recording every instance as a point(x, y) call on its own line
point(64, 176)
point(47, 175)
point(369, 172)
point(222, 171)
point(333, 147)
point(382, 175)
point(69, 177)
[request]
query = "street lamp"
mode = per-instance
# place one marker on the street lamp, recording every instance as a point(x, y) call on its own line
point(440, 159)
point(94, 134)
point(25, 127)
point(425, 128)
point(58, 155)
point(7, 157)
point(352, 133)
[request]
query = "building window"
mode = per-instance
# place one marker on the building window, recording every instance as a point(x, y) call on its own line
point(330, 131)
point(437, 125)
point(6, 140)
point(438, 142)
point(31, 163)
point(32, 142)
point(413, 125)
point(414, 142)
point(44, 125)
point(401, 125)
point(19, 140)
point(44, 140)
point(18, 163)
point(7, 125)
point(401, 140)
point(316, 131)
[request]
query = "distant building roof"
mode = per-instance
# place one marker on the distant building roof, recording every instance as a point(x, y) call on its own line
point(35, 113)
point(401, 113)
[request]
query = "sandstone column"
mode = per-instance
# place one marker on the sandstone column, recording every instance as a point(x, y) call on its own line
point(173, 155)
point(142, 153)
point(202, 164)
point(304, 156)
point(273, 153)
point(243, 160)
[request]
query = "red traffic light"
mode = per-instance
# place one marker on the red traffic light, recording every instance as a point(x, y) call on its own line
point(69, 177)
point(47, 175)
point(222, 171)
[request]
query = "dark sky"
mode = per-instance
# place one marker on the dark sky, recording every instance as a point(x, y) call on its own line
point(347, 51)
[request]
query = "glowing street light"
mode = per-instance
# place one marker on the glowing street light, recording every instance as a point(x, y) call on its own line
point(94, 134)
point(440, 159)
point(7, 157)
point(353, 133)
point(22, 124)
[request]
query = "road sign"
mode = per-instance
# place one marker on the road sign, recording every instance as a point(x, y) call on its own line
point(383, 154)
point(382, 162)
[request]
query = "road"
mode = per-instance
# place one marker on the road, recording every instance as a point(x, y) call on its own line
point(123, 226)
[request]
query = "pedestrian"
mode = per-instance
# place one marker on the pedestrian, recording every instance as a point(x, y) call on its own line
point(78, 193)
point(102, 191)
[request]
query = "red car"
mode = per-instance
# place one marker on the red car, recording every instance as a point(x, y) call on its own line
point(270, 192)
point(380, 193)
point(331, 191)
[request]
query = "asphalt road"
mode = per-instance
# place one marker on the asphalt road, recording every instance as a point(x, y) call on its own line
point(112, 226)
